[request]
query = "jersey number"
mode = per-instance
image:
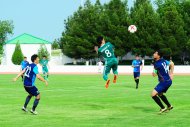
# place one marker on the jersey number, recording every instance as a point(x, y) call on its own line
point(28, 70)
point(108, 53)
point(165, 67)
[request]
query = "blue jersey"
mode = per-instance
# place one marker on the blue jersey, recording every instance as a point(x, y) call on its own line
point(162, 70)
point(30, 75)
point(24, 64)
point(136, 64)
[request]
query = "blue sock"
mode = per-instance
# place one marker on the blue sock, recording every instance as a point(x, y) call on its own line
point(27, 100)
point(36, 101)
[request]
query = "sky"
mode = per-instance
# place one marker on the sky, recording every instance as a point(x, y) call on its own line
point(41, 18)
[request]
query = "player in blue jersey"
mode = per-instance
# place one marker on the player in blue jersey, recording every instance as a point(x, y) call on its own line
point(165, 82)
point(137, 65)
point(24, 64)
point(30, 73)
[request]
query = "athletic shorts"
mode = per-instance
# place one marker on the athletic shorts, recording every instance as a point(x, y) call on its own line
point(162, 87)
point(32, 90)
point(45, 70)
point(136, 74)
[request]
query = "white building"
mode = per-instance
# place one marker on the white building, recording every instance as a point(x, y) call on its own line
point(29, 46)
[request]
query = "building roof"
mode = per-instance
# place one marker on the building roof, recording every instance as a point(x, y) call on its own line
point(27, 39)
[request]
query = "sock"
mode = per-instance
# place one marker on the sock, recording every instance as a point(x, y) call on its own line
point(157, 100)
point(36, 101)
point(137, 82)
point(47, 76)
point(165, 100)
point(27, 100)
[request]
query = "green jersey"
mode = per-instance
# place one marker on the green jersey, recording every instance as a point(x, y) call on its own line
point(107, 51)
point(44, 63)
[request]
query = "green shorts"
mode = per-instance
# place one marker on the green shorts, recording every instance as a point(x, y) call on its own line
point(113, 64)
point(44, 70)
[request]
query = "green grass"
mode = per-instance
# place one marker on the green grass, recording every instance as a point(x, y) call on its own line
point(82, 101)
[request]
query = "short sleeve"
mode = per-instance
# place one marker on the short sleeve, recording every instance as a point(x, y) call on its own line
point(35, 70)
point(133, 62)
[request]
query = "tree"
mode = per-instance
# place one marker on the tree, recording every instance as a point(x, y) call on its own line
point(55, 44)
point(42, 51)
point(80, 33)
point(172, 28)
point(6, 28)
point(114, 24)
point(147, 38)
point(17, 56)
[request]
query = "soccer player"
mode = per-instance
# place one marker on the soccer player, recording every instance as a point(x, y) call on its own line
point(165, 82)
point(106, 50)
point(137, 65)
point(30, 73)
point(24, 64)
point(100, 66)
point(45, 66)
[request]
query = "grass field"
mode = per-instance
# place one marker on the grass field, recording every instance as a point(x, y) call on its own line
point(82, 101)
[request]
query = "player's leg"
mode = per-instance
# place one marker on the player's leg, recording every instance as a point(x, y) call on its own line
point(165, 100)
point(115, 72)
point(158, 89)
point(44, 73)
point(163, 97)
point(36, 101)
point(47, 73)
point(28, 98)
point(107, 69)
point(136, 78)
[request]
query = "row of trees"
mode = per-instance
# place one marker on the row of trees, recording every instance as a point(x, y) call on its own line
point(164, 25)
point(18, 56)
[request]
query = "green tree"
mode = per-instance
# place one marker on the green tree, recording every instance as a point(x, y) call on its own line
point(172, 28)
point(147, 38)
point(80, 33)
point(55, 44)
point(42, 51)
point(114, 25)
point(17, 56)
point(6, 28)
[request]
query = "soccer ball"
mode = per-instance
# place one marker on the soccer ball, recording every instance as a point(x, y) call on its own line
point(132, 28)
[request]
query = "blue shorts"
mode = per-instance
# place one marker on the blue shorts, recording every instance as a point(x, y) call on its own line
point(136, 74)
point(32, 90)
point(162, 87)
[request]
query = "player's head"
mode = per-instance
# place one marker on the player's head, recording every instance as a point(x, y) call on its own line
point(35, 59)
point(100, 40)
point(44, 57)
point(25, 58)
point(137, 57)
point(157, 54)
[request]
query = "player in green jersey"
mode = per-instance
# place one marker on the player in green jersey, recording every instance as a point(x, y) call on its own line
point(106, 50)
point(45, 66)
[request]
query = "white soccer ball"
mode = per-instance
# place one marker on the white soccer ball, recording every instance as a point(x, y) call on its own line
point(132, 28)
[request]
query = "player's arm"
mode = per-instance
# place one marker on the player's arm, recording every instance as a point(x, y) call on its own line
point(41, 79)
point(20, 74)
point(141, 64)
point(171, 66)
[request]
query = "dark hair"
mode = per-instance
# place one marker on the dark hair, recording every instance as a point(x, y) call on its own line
point(160, 53)
point(33, 57)
point(25, 57)
point(136, 55)
point(44, 56)
point(99, 40)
